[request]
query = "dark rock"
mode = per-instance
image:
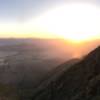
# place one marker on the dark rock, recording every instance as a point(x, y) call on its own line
point(80, 82)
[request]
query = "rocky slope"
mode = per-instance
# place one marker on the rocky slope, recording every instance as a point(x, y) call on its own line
point(80, 82)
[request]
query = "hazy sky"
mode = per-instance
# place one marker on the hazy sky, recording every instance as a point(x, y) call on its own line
point(17, 16)
point(26, 9)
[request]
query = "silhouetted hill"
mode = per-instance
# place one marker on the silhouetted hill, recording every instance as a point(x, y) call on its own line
point(55, 73)
point(80, 82)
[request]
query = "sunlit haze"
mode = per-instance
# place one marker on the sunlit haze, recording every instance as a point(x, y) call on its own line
point(73, 21)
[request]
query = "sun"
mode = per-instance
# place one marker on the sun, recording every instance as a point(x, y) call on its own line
point(76, 22)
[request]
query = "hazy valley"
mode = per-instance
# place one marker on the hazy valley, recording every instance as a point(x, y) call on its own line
point(28, 65)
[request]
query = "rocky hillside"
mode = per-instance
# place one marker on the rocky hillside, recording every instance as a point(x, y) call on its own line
point(79, 82)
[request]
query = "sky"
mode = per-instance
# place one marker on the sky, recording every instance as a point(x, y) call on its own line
point(29, 18)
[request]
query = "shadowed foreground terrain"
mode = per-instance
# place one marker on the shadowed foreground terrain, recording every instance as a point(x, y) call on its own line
point(79, 82)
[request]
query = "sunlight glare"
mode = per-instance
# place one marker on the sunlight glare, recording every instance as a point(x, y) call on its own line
point(73, 21)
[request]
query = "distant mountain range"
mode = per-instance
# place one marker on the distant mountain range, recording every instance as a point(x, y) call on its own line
point(61, 46)
point(81, 81)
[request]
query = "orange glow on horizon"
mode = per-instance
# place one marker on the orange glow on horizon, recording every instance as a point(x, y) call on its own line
point(74, 22)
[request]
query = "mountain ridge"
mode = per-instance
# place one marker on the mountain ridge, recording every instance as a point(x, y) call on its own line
point(80, 82)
